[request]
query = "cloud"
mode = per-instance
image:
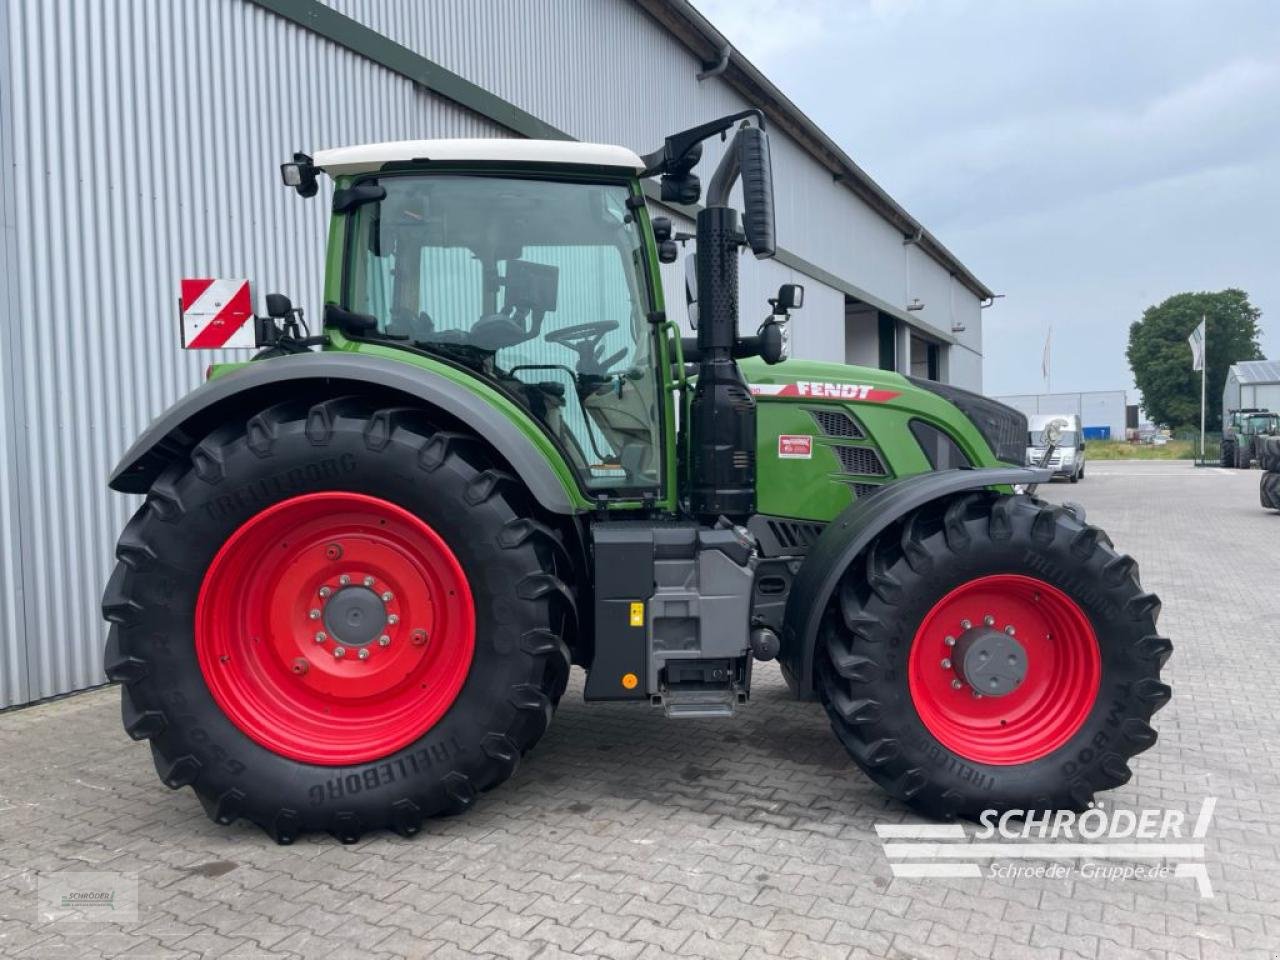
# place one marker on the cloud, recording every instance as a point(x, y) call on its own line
point(1085, 157)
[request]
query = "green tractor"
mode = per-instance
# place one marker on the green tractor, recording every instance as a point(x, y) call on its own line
point(367, 559)
point(1241, 433)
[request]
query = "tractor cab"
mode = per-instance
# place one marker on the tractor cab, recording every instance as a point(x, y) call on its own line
point(539, 286)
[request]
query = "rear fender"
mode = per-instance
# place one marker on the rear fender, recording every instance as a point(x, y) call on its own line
point(848, 535)
point(175, 432)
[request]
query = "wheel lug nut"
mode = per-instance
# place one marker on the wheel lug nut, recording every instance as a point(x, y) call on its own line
point(339, 652)
point(344, 579)
point(977, 695)
point(392, 619)
point(989, 620)
point(314, 614)
point(387, 597)
point(321, 637)
point(325, 592)
point(965, 625)
point(368, 581)
point(364, 653)
point(950, 641)
point(384, 641)
point(946, 664)
point(1009, 630)
point(956, 684)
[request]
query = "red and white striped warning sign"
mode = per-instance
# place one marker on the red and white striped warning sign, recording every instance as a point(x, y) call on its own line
point(217, 314)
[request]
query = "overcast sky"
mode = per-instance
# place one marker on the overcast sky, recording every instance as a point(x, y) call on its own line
point(1087, 159)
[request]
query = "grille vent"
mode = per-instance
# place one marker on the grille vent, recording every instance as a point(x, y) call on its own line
point(836, 423)
point(864, 489)
point(794, 534)
point(863, 461)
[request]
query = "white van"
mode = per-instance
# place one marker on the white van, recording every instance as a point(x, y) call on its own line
point(1068, 456)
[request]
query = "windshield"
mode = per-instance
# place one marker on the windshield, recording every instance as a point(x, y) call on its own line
point(1036, 439)
point(538, 287)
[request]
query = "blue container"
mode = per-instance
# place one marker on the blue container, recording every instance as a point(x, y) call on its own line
point(1097, 433)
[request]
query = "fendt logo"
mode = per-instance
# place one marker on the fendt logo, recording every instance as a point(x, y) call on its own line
point(823, 389)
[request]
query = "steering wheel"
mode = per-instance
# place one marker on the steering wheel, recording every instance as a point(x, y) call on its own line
point(584, 339)
point(581, 332)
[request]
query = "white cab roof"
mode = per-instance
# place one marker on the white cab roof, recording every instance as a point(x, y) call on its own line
point(371, 156)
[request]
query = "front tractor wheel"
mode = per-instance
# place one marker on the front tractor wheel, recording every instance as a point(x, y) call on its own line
point(993, 653)
point(337, 617)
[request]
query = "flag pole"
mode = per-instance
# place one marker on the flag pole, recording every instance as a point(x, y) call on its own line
point(1204, 370)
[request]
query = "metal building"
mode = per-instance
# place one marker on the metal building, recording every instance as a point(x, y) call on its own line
point(1101, 412)
point(1252, 383)
point(140, 141)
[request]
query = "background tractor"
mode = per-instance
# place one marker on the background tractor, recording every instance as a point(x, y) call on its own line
point(367, 559)
point(1241, 432)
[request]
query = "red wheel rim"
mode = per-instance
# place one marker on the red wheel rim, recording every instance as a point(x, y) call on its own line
point(282, 616)
point(1063, 671)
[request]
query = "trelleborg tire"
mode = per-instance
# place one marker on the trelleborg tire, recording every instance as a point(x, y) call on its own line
point(338, 617)
point(1269, 454)
point(913, 611)
point(1269, 490)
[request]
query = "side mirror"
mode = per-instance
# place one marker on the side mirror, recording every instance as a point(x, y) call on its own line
point(661, 229)
point(668, 251)
point(1053, 431)
point(757, 190)
point(278, 306)
point(790, 297)
point(691, 289)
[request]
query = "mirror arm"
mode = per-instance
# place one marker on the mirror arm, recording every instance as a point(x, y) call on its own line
point(726, 176)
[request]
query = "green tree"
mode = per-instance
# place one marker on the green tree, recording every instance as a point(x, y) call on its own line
point(1161, 357)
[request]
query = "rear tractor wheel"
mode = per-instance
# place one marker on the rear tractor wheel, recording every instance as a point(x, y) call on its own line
point(993, 652)
point(339, 618)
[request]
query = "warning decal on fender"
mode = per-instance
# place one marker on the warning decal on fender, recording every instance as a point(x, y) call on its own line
point(792, 446)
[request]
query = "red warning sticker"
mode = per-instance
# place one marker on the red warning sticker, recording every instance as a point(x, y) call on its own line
point(793, 446)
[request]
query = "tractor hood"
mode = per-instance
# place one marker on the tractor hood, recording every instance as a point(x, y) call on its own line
point(988, 432)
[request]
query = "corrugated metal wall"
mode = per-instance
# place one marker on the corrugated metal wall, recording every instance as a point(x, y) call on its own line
point(145, 143)
point(141, 140)
point(620, 77)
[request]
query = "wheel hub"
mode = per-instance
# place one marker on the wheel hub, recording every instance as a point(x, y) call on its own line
point(354, 616)
point(990, 661)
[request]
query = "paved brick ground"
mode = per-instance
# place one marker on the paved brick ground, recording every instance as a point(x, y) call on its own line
point(627, 836)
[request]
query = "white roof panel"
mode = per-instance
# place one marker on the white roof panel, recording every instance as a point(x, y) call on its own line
point(371, 156)
point(1258, 371)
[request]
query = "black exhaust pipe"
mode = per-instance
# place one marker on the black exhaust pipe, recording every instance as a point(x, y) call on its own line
point(723, 412)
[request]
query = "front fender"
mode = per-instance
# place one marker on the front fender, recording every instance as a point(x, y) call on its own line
point(848, 535)
point(179, 428)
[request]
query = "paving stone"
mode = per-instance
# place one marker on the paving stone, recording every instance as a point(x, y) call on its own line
point(626, 835)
